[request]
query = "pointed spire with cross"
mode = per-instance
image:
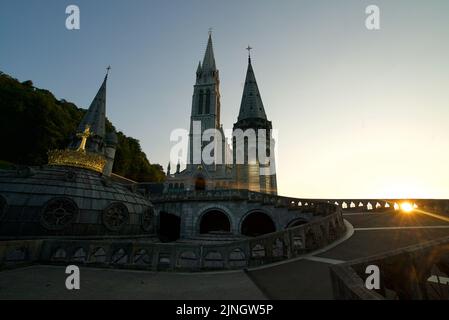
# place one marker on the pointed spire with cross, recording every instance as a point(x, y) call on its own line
point(249, 53)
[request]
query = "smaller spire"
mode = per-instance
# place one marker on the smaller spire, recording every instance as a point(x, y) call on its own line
point(95, 116)
point(199, 69)
point(168, 168)
point(178, 167)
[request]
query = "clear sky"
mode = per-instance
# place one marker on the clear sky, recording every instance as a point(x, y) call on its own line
point(360, 113)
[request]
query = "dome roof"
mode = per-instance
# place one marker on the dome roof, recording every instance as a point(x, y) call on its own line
point(63, 201)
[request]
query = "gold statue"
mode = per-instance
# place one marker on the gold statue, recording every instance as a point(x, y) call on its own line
point(84, 135)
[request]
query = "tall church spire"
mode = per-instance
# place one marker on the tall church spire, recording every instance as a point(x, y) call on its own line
point(251, 105)
point(209, 59)
point(95, 117)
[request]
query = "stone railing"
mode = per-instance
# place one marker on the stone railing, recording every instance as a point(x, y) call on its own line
point(417, 272)
point(20, 253)
point(147, 255)
point(439, 206)
point(318, 206)
point(346, 205)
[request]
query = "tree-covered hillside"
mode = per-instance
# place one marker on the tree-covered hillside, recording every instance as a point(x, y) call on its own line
point(33, 121)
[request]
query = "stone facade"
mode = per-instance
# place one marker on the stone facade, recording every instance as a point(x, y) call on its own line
point(144, 254)
point(226, 172)
point(244, 213)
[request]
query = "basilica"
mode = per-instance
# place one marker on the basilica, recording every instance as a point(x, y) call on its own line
point(206, 109)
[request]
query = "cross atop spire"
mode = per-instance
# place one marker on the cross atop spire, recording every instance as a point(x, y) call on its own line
point(249, 53)
point(210, 31)
point(251, 105)
point(107, 70)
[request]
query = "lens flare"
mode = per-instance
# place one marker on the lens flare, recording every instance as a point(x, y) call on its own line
point(407, 207)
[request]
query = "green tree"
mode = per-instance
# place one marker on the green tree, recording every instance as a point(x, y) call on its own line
point(33, 121)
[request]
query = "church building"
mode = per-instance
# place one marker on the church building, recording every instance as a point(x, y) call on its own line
point(225, 172)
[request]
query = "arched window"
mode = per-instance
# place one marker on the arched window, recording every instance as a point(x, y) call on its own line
point(200, 102)
point(207, 101)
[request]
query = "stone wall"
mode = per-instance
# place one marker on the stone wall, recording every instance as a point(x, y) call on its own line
point(417, 272)
point(237, 205)
point(147, 255)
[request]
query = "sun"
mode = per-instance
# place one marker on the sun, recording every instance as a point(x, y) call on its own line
point(407, 207)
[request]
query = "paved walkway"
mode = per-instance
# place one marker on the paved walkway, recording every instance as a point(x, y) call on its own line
point(373, 234)
point(301, 279)
point(48, 282)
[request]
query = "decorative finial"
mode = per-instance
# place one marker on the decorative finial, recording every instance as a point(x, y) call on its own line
point(107, 70)
point(249, 53)
point(210, 31)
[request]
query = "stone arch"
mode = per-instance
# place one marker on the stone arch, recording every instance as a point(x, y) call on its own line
point(258, 251)
point(120, 256)
point(214, 220)
point(16, 255)
point(278, 248)
point(257, 222)
point(237, 258)
point(213, 259)
point(79, 255)
point(59, 254)
point(98, 255)
point(188, 260)
point(296, 222)
point(169, 227)
point(141, 257)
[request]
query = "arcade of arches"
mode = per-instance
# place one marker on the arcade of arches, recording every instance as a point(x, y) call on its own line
point(256, 224)
point(215, 221)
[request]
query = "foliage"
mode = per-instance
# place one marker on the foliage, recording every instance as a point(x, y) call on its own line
point(33, 121)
